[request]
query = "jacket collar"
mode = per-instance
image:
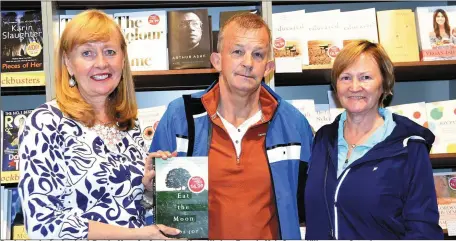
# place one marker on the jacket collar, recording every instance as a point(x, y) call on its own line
point(268, 99)
point(392, 146)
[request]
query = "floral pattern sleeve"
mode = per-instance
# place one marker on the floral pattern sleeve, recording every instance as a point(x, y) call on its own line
point(43, 180)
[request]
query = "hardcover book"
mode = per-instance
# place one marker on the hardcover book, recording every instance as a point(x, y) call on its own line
point(189, 40)
point(441, 117)
point(21, 49)
point(353, 29)
point(397, 34)
point(307, 108)
point(414, 111)
point(148, 121)
point(323, 36)
point(289, 46)
point(181, 195)
point(323, 116)
point(13, 124)
point(445, 188)
point(145, 33)
point(437, 32)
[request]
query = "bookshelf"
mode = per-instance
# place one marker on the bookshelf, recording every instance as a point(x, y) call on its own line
point(185, 79)
point(404, 71)
point(446, 160)
point(29, 90)
point(191, 79)
point(314, 75)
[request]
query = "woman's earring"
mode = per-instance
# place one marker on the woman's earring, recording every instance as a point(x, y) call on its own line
point(72, 82)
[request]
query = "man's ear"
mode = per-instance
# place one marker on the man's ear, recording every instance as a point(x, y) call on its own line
point(216, 60)
point(66, 61)
point(270, 66)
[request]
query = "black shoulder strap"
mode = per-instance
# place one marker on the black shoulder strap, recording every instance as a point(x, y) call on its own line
point(302, 179)
point(193, 106)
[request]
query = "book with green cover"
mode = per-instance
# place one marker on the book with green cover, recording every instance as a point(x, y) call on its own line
point(181, 195)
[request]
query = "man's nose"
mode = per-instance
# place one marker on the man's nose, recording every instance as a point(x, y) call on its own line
point(247, 61)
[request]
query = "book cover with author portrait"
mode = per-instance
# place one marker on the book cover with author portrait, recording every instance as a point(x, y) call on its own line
point(189, 39)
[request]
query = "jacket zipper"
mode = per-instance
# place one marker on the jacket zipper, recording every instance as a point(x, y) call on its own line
point(336, 222)
point(273, 187)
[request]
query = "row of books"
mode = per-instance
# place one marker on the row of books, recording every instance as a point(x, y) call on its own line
point(428, 34)
point(179, 39)
point(11, 217)
point(183, 39)
point(13, 123)
point(439, 117)
point(157, 40)
point(181, 198)
point(183, 184)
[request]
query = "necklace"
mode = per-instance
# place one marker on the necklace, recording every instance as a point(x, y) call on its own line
point(352, 146)
point(109, 134)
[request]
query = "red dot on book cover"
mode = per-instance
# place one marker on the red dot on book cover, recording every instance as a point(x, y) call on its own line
point(196, 184)
point(333, 51)
point(154, 19)
point(452, 183)
point(416, 115)
point(454, 111)
point(279, 43)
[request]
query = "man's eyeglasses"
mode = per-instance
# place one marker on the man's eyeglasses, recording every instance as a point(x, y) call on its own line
point(190, 23)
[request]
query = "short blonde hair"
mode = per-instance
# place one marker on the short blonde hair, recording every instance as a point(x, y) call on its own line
point(247, 21)
point(351, 52)
point(90, 26)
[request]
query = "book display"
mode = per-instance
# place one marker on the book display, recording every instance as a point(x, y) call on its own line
point(169, 46)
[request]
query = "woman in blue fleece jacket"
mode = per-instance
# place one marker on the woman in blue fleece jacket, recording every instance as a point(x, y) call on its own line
point(370, 176)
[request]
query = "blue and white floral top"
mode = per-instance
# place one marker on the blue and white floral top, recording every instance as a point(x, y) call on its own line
point(69, 176)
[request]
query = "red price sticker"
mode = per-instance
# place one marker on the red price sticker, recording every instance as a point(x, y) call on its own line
point(196, 184)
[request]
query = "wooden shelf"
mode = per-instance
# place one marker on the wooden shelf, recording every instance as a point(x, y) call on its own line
point(175, 72)
point(27, 90)
point(445, 160)
point(282, 2)
point(404, 71)
point(20, 5)
point(80, 5)
point(174, 79)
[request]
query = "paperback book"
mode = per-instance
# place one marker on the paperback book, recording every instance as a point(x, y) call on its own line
point(445, 188)
point(21, 49)
point(13, 124)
